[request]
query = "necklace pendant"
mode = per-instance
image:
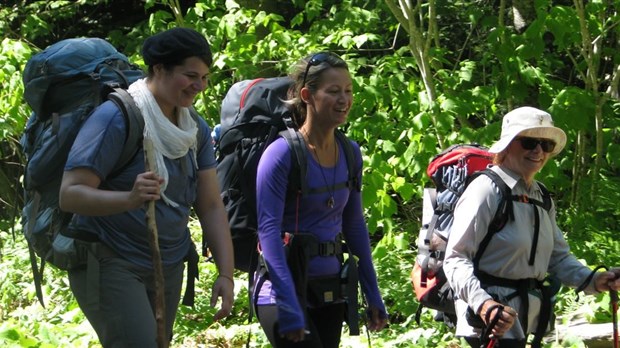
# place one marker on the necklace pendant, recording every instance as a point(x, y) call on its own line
point(331, 202)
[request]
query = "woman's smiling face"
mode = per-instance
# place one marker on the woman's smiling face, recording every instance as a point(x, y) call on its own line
point(180, 86)
point(525, 162)
point(332, 100)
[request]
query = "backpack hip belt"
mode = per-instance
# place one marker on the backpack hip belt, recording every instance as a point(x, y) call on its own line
point(314, 248)
point(526, 283)
point(324, 290)
point(90, 251)
point(325, 249)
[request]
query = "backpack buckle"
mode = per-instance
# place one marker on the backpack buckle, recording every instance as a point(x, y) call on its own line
point(523, 198)
point(329, 249)
point(437, 254)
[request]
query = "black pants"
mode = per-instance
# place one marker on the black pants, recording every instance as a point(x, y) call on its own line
point(474, 342)
point(121, 309)
point(324, 324)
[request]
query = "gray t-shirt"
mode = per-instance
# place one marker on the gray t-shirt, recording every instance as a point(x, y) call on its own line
point(97, 148)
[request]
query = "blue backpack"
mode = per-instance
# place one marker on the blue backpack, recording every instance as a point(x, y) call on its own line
point(63, 85)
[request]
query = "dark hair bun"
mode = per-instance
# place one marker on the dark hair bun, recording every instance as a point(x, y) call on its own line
point(174, 45)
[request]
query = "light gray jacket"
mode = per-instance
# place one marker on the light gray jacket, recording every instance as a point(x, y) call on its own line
point(508, 252)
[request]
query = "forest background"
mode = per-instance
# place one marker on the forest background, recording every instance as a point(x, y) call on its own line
point(427, 74)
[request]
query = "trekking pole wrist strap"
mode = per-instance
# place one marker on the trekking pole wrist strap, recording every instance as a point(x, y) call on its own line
point(491, 322)
point(589, 279)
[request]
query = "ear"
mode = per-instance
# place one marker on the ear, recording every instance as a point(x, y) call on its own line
point(305, 95)
point(158, 69)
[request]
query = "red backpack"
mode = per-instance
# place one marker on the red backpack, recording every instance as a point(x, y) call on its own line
point(450, 171)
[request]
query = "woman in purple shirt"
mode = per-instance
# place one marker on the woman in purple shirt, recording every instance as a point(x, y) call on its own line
point(321, 97)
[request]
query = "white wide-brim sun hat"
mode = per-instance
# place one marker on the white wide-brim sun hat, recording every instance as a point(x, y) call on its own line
point(529, 122)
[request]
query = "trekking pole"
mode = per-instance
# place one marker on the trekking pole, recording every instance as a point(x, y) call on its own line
point(368, 317)
point(486, 333)
point(160, 304)
point(613, 295)
point(492, 342)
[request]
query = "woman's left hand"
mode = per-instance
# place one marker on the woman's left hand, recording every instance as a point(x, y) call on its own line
point(224, 288)
point(376, 319)
point(609, 280)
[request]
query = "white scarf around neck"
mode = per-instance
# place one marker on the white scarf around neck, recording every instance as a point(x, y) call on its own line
point(168, 140)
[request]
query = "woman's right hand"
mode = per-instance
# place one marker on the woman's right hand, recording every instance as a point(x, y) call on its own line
point(377, 320)
point(145, 188)
point(505, 322)
point(296, 336)
point(606, 281)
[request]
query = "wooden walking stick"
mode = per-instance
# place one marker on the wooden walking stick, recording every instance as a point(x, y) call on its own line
point(613, 296)
point(160, 304)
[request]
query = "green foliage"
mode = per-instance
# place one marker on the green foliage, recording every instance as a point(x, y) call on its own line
point(13, 57)
point(25, 323)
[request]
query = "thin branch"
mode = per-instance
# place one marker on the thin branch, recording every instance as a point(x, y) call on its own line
point(398, 14)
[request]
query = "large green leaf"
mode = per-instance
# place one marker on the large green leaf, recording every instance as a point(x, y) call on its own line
point(573, 109)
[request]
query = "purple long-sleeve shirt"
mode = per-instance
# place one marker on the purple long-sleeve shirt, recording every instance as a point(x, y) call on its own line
point(311, 214)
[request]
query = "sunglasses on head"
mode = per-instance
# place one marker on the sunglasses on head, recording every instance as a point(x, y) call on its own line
point(317, 59)
point(530, 144)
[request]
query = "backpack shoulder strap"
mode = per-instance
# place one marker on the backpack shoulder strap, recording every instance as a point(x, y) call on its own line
point(133, 142)
point(134, 124)
point(297, 145)
point(352, 181)
point(502, 215)
point(504, 210)
point(299, 163)
point(196, 117)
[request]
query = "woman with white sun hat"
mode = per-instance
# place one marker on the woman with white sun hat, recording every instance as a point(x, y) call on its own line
point(504, 288)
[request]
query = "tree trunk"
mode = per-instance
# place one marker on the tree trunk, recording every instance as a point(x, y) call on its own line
point(411, 19)
point(591, 54)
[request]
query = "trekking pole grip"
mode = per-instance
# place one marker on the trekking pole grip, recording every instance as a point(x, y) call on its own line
point(486, 338)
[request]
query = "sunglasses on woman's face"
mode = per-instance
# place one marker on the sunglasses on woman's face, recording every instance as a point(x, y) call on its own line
point(530, 144)
point(316, 60)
